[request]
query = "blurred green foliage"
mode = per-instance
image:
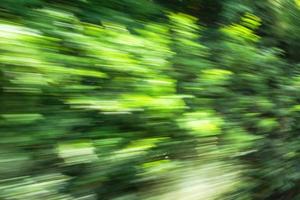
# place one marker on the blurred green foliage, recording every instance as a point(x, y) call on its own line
point(144, 99)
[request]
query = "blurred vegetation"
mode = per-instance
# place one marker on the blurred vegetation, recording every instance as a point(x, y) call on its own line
point(149, 99)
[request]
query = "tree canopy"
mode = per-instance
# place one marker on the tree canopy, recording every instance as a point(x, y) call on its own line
point(149, 99)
